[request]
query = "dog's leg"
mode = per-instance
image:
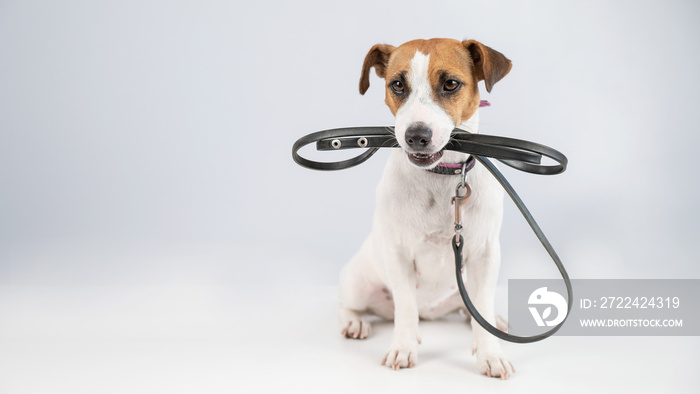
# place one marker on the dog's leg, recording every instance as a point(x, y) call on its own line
point(482, 274)
point(403, 352)
point(357, 293)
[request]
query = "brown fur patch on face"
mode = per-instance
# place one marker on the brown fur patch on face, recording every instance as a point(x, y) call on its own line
point(397, 70)
point(449, 59)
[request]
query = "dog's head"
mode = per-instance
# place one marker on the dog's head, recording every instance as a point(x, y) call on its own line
point(431, 87)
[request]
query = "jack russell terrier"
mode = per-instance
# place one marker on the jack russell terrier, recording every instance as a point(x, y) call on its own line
point(404, 270)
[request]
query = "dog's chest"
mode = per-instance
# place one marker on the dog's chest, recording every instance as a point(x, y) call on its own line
point(430, 213)
point(431, 247)
point(431, 231)
point(435, 275)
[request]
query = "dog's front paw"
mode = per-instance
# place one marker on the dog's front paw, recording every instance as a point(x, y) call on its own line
point(402, 354)
point(354, 326)
point(493, 364)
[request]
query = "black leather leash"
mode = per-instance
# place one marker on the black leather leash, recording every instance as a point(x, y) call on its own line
point(519, 154)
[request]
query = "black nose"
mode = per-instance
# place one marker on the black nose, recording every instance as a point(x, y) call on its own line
point(418, 135)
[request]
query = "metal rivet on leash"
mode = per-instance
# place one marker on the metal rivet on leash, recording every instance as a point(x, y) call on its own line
point(362, 142)
point(335, 144)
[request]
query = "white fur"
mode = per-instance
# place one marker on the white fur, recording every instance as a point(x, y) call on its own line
point(405, 269)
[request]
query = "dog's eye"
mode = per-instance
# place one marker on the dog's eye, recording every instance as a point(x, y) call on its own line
point(451, 85)
point(398, 87)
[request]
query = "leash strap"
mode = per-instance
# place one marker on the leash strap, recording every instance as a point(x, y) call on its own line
point(519, 154)
point(458, 242)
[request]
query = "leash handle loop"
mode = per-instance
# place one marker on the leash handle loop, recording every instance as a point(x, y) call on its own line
point(519, 154)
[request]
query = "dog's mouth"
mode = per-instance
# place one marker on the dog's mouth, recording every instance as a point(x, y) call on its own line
point(424, 160)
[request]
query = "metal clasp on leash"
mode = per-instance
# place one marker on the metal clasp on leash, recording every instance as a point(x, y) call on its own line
point(462, 193)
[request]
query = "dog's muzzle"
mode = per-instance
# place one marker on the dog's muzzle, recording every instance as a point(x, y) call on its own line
point(419, 138)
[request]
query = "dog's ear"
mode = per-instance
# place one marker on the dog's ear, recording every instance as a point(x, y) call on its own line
point(489, 64)
point(377, 57)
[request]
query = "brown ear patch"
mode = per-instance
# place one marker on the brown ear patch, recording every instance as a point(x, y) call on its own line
point(377, 57)
point(489, 65)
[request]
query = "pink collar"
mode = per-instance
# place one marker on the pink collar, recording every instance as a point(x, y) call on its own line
point(454, 168)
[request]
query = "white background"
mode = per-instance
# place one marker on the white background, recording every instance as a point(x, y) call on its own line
point(147, 191)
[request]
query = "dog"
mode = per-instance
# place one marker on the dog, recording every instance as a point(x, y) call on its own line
point(405, 268)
